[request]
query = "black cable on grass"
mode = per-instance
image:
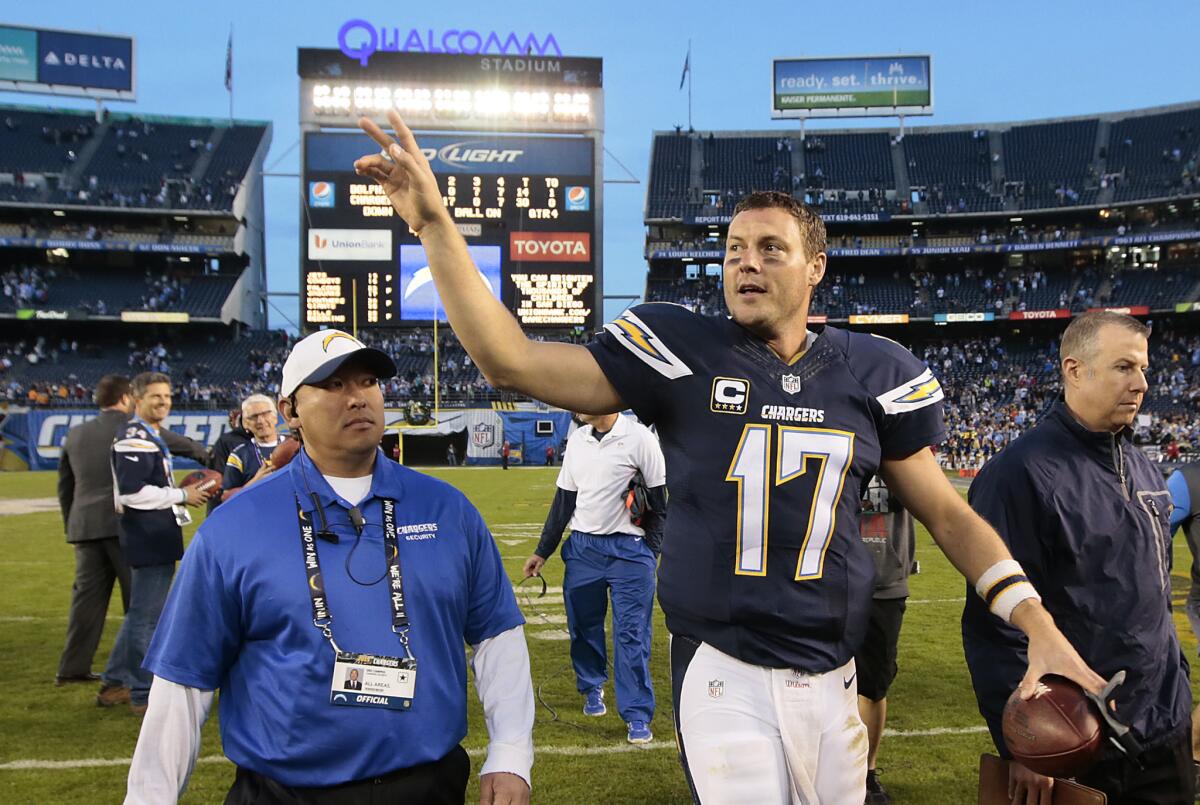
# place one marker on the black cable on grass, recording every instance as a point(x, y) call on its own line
point(524, 591)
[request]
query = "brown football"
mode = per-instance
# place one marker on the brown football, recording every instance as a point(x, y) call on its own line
point(1055, 732)
point(205, 479)
point(285, 452)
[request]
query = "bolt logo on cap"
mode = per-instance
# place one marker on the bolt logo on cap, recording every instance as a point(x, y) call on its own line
point(339, 334)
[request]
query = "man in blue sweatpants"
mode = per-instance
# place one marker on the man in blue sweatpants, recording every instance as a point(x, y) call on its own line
point(613, 546)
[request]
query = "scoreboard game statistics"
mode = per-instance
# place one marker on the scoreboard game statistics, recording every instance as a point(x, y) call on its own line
point(526, 205)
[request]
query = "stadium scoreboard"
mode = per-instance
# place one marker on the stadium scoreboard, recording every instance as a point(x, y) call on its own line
point(523, 203)
point(518, 166)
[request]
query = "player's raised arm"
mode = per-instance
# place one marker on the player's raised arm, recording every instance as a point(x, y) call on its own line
point(976, 550)
point(561, 374)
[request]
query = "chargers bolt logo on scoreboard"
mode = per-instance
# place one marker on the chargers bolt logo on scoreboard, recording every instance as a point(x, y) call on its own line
point(579, 199)
point(322, 194)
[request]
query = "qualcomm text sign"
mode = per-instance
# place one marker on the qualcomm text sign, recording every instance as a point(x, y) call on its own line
point(359, 40)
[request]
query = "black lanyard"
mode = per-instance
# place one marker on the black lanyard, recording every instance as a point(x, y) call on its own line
point(322, 618)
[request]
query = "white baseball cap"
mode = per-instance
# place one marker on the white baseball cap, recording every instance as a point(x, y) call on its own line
point(317, 356)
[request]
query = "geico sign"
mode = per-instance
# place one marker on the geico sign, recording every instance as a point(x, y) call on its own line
point(556, 247)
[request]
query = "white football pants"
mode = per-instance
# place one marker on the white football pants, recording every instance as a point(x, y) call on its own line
point(750, 734)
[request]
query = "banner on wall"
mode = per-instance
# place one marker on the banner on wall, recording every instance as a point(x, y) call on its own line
point(37, 436)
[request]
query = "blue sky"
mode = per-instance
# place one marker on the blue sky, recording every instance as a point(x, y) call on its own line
point(992, 62)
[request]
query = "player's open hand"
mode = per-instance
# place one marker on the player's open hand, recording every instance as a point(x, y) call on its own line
point(502, 788)
point(1050, 652)
point(404, 175)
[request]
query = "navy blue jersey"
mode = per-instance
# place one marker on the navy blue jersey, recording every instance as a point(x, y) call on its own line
point(244, 461)
point(140, 458)
point(766, 462)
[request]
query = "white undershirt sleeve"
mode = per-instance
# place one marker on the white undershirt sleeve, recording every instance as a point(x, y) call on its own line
point(168, 744)
point(154, 497)
point(501, 666)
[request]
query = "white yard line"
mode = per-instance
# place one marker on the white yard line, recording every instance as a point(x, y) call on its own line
point(545, 600)
point(565, 751)
point(28, 505)
point(937, 600)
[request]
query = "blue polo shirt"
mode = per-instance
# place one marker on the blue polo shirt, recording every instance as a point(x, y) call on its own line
point(239, 618)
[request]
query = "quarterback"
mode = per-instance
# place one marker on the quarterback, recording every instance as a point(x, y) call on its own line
point(769, 430)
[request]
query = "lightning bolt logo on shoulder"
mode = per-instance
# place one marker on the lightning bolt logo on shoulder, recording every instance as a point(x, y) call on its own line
point(633, 334)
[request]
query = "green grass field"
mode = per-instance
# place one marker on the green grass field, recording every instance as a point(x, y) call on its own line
point(57, 746)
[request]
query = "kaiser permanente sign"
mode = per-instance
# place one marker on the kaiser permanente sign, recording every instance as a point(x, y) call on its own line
point(52, 62)
point(852, 86)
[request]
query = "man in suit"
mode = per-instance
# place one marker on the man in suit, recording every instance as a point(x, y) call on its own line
point(85, 495)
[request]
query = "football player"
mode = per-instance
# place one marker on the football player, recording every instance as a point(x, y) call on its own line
point(769, 430)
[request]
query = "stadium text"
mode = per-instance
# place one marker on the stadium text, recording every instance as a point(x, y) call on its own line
point(359, 40)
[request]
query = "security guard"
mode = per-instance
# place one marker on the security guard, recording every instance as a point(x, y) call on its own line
point(607, 551)
point(341, 562)
point(1086, 514)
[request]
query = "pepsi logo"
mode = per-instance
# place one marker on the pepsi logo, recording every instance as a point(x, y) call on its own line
point(322, 190)
point(576, 194)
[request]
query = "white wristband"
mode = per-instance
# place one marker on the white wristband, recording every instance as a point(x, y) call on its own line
point(1003, 586)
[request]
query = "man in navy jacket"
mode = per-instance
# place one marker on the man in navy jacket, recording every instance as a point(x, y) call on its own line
point(1086, 514)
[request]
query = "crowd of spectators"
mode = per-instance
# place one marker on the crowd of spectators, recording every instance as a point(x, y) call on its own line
point(995, 388)
point(26, 286)
point(163, 292)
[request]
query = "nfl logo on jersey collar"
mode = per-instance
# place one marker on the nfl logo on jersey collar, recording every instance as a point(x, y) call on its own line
point(790, 383)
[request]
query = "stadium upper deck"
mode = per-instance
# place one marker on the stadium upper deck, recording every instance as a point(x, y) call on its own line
point(67, 158)
point(1101, 160)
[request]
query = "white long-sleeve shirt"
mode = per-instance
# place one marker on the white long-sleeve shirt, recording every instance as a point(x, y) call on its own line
point(169, 742)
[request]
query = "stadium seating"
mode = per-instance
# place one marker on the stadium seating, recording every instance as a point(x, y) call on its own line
point(125, 161)
point(41, 142)
point(1052, 162)
point(670, 167)
point(849, 161)
point(200, 296)
point(952, 166)
point(745, 163)
point(1156, 289)
point(1150, 153)
point(1037, 166)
